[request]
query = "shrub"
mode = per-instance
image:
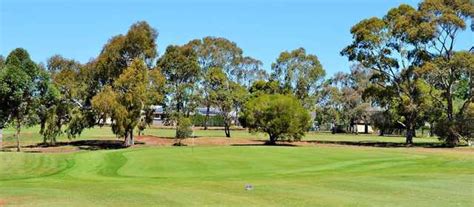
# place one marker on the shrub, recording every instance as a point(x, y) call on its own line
point(183, 129)
point(216, 121)
point(281, 116)
point(461, 128)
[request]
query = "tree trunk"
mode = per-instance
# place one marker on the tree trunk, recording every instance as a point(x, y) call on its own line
point(125, 141)
point(449, 112)
point(1, 139)
point(52, 142)
point(236, 117)
point(227, 129)
point(409, 135)
point(452, 139)
point(176, 136)
point(17, 135)
point(129, 139)
point(273, 139)
point(132, 140)
point(431, 129)
point(333, 128)
point(206, 119)
point(58, 125)
point(42, 125)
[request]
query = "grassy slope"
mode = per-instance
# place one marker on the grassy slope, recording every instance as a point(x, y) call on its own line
point(282, 176)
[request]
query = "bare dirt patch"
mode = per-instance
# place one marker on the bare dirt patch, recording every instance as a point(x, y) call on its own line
point(141, 141)
point(216, 141)
point(3, 203)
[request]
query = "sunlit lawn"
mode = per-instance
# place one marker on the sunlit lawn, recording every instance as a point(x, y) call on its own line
point(31, 135)
point(318, 175)
point(216, 176)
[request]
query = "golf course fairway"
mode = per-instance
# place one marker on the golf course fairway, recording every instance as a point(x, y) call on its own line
point(217, 176)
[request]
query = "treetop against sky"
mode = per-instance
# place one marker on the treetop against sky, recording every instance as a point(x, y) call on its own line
point(262, 28)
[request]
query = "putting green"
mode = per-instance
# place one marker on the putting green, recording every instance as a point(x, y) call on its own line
point(216, 176)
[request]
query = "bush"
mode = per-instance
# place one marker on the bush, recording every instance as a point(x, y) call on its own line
point(216, 121)
point(462, 128)
point(281, 116)
point(184, 129)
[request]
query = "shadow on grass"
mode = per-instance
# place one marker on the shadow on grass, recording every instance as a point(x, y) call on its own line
point(90, 145)
point(381, 144)
point(265, 143)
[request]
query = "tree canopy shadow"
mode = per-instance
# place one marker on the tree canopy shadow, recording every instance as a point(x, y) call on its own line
point(265, 143)
point(90, 145)
point(380, 144)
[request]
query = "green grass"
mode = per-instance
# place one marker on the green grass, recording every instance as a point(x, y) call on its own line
point(216, 176)
point(366, 138)
point(206, 133)
point(31, 135)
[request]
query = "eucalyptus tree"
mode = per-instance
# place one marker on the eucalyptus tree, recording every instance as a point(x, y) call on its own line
point(395, 49)
point(2, 62)
point(300, 74)
point(115, 57)
point(125, 100)
point(19, 91)
point(342, 100)
point(219, 52)
point(330, 110)
point(260, 87)
point(47, 108)
point(450, 71)
point(60, 94)
point(120, 51)
point(181, 71)
point(225, 95)
point(4, 112)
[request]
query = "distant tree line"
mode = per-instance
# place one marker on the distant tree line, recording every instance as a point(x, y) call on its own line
point(405, 65)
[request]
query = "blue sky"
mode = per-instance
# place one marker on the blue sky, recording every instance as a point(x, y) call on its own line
point(262, 28)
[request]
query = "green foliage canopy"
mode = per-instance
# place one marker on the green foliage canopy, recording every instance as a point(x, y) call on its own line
point(124, 101)
point(282, 117)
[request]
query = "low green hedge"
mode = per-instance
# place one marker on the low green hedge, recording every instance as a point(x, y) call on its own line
point(213, 121)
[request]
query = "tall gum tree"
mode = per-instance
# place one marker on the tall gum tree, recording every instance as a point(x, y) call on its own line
point(225, 94)
point(450, 70)
point(395, 49)
point(60, 95)
point(300, 74)
point(125, 100)
point(181, 71)
point(342, 101)
point(19, 90)
point(222, 53)
point(121, 50)
point(115, 57)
